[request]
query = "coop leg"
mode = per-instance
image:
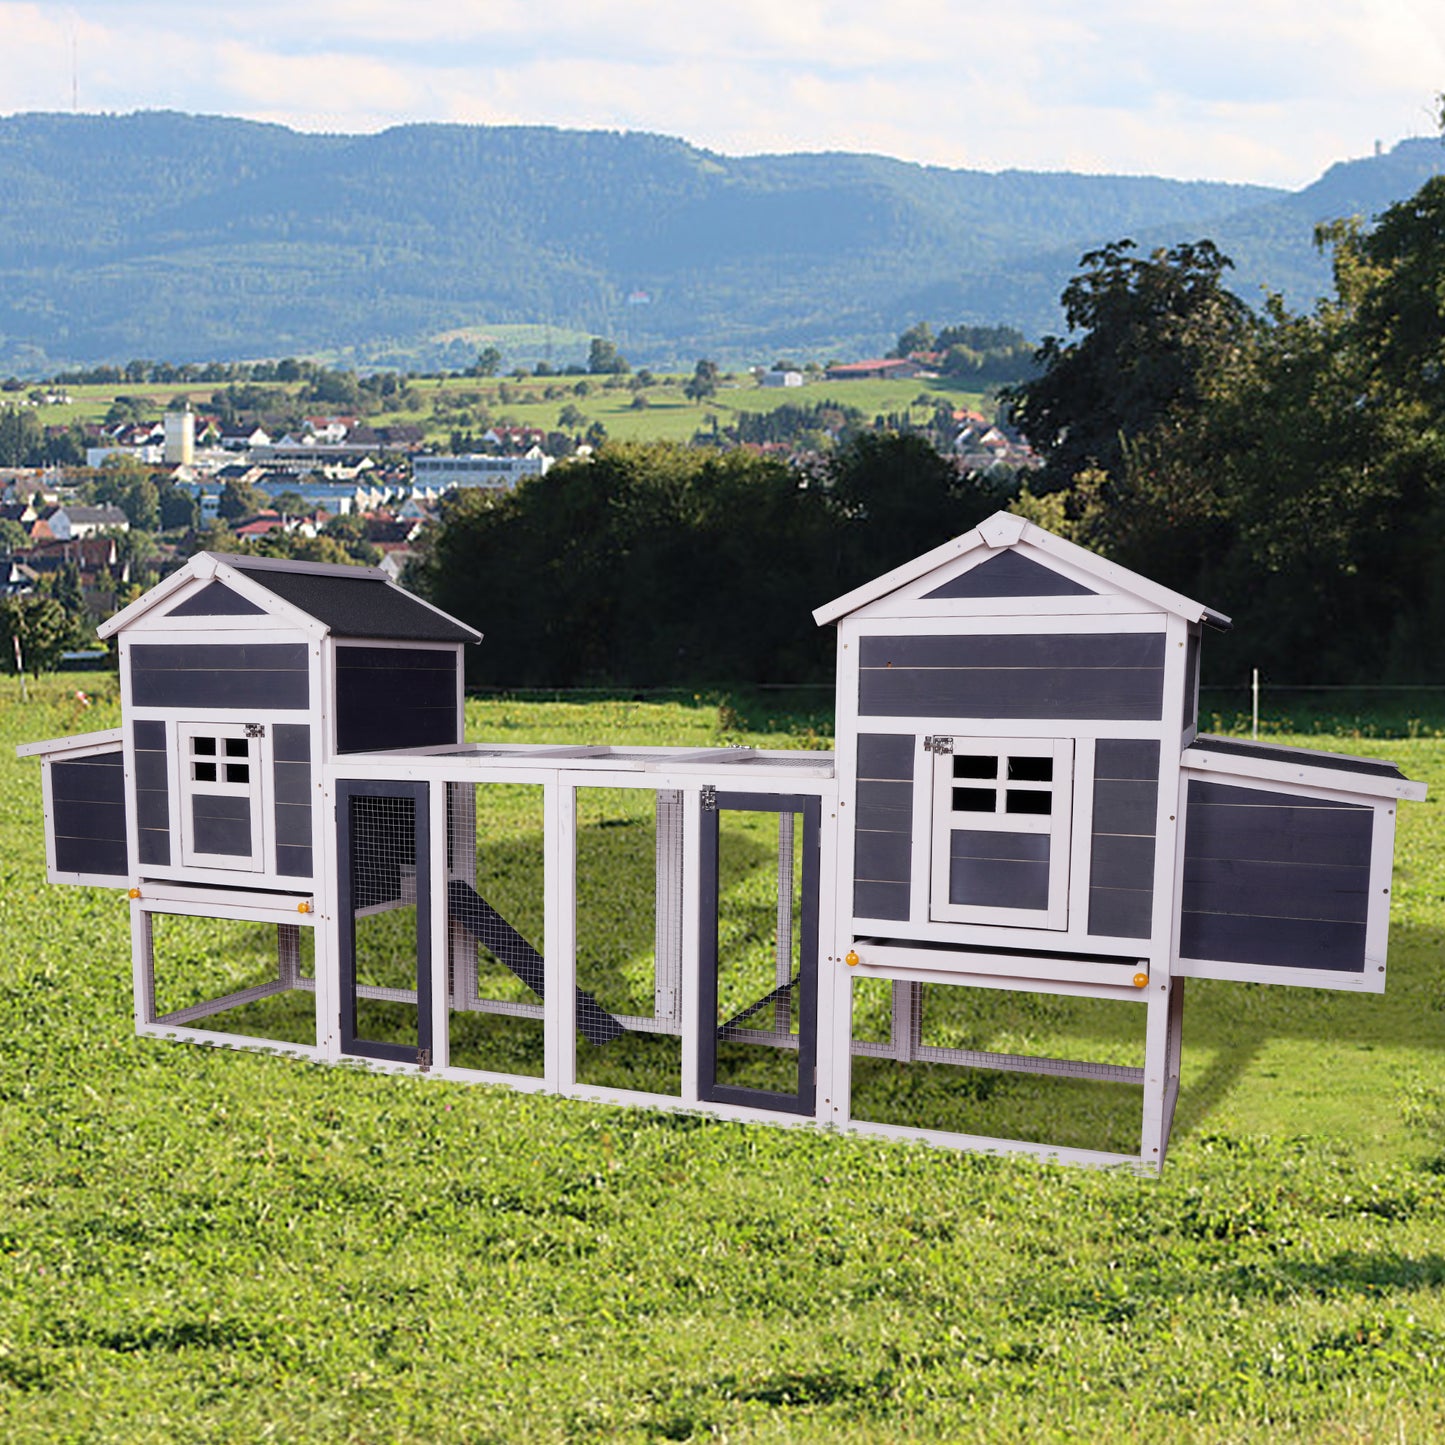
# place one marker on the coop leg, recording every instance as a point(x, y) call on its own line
point(1159, 1062)
point(907, 1019)
point(667, 938)
point(143, 964)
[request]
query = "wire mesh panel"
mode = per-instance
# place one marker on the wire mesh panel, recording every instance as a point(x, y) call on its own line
point(1000, 1063)
point(759, 907)
point(629, 939)
point(496, 912)
point(231, 977)
point(385, 917)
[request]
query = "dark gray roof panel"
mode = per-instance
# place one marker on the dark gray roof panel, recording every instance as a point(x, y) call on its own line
point(1306, 757)
point(361, 606)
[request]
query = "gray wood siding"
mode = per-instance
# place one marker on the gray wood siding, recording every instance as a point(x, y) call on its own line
point(215, 599)
point(1010, 575)
point(1069, 676)
point(221, 824)
point(269, 676)
point(395, 697)
point(1275, 879)
point(152, 793)
point(87, 799)
point(1121, 849)
point(998, 870)
point(291, 777)
point(883, 826)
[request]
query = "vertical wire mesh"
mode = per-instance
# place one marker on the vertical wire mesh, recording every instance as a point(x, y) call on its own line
point(383, 881)
point(667, 936)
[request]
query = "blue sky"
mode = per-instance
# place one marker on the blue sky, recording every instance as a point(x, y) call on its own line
point(1272, 91)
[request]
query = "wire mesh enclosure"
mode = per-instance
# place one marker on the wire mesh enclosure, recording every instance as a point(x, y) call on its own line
point(999, 1063)
point(758, 957)
point(496, 927)
point(256, 980)
point(385, 1005)
point(629, 939)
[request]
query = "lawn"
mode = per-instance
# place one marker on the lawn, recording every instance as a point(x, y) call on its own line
point(210, 1245)
point(453, 403)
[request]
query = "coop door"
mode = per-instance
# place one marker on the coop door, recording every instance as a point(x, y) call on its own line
point(384, 879)
point(222, 780)
point(1000, 845)
point(757, 1000)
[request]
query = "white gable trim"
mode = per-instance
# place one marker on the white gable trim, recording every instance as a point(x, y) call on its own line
point(1004, 529)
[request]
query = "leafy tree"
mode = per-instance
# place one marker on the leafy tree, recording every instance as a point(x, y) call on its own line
point(239, 499)
point(603, 358)
point(141, 504)
point(12, 535)
point(1149, 330)
point(22, 438)
point(488, 362)
point(571, 415)
point(178, 508)
point(43, 628)
point(918, 337)
point(703, 382)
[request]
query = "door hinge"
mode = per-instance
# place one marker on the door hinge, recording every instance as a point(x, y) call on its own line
point(255, 730)
point(942, 746)
point(709, 798)
point(423, 1060)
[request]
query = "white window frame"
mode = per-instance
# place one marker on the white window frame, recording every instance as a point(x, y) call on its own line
point(258, 759)
point(1055, 824)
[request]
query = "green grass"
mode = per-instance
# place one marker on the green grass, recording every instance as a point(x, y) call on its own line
point(668, 416)
point(204, 1245)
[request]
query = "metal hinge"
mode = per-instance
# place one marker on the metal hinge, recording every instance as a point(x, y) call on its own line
point(709, 798)
point(255, 730)
point(423, 1060)
point(942, 746)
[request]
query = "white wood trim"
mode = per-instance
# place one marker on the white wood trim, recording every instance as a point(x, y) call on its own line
point(188, 1034)
point(982, 1144)
point(691, 943)
point(1372, 980)
point(206, 903)
point(993, 625)
point(440, 930)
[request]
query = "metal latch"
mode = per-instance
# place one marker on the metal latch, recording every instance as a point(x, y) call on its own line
point(709, 798)
point(942, 746)
point(255, 730)
point(423, 1060)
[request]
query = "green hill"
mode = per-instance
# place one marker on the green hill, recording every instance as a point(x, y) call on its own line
point(190, 237)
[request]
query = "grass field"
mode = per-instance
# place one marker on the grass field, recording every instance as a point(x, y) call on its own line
point(209, 1245)
point(453, 403)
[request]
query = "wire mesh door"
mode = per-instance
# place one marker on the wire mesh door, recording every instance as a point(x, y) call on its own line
point(758, 904)
point(385, 893)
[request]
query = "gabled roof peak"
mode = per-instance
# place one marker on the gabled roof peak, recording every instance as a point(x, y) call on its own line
point(1008, 529)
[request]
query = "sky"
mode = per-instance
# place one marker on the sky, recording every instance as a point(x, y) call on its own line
point(1268, 91)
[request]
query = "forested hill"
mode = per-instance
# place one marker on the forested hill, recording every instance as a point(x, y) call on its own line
point(191, 238)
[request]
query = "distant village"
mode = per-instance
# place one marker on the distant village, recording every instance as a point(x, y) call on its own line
point(334, 488)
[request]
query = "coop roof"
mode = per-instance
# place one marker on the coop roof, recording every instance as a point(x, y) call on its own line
point(352, 602)
point(1276, 762)
point(997, 536)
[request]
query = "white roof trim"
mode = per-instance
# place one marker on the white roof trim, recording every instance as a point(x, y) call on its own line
point(1004, 529)
point(111, 737)
point(1199, 759)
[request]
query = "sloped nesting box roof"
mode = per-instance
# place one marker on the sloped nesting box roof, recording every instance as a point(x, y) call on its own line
point(349, 602)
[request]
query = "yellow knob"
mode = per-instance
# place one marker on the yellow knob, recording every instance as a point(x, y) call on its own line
point(133, 893)
point(1141, 980)
point(304, 906)
point(852, 958)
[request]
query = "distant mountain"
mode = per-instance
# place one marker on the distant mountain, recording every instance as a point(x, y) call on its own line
point(191, 238)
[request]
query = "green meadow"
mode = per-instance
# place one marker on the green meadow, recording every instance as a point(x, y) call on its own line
point(199, 1244)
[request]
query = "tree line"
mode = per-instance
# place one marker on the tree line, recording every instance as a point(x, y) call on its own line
point(1287, 468)
point(665, 565)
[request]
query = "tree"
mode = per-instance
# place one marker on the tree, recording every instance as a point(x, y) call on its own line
point(488, 362)
point(42, 627)
point(179, 509)
point(571, 416)
point(1149, 332)
point(12, 535)
point(603, 358)
point(240, 499)
point(141, 503)
point(918, 337)
point(703, 382)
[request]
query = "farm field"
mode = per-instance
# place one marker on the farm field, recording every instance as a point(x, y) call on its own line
point(211, 1245)
point(467, 403)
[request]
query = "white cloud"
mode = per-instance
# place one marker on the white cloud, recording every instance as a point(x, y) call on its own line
point(1271, 90)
